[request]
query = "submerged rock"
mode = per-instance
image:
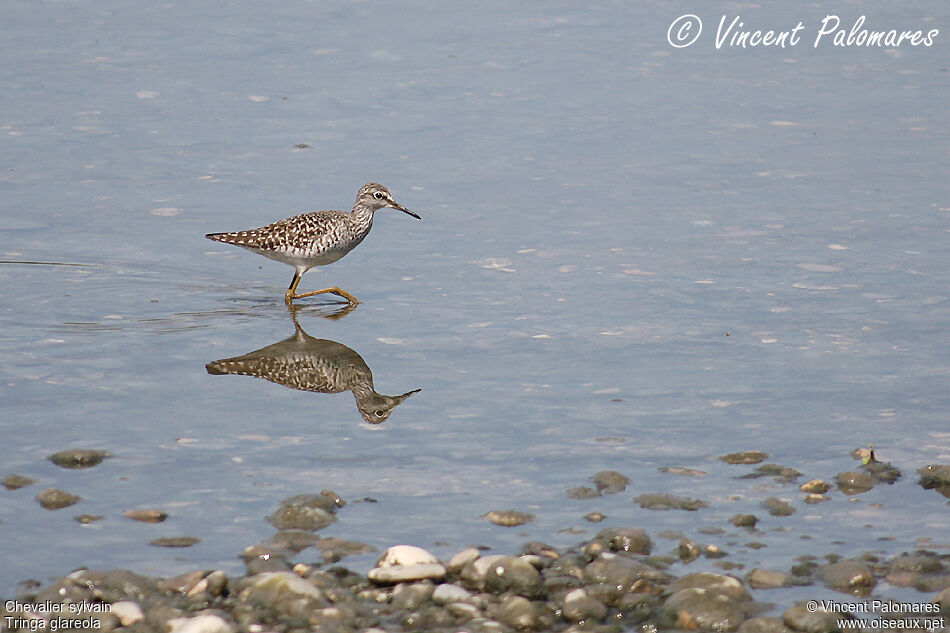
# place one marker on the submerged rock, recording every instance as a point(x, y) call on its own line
point(744, 520)
point(579, 607)
point(849, 576)
point(56, 499)
point(780, 473)
point(582, 492)
point(816, 486)
point(610, 482)
point(745, 457)
point(146, 516)
point(777, 507)
point(15, 482)
point(802, 618)
point(937, 477)
point(175, 541)
point(516, 575)
point(79, 458)
point(852, 482)
point(508, 518)
point(631, 540)
point(653, 501)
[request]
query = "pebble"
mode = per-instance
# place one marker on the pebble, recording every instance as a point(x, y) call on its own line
point(744, 520)
point(518, 613)
point(582, 492)
point(463, 558)
point(406, 573)
point(608, 584)
point(56, 499)
point(847, 575)
point(146, 516)
point(508, 518)
point(200, 624)
point(800, 618)
point(653, 501)
point(15, 482)
point(777, 507)
point(304, 512)
point(852, 482)
point(610, 482)
point(405, 555)
point(175, 541)
point(764, 625)
point(79, 458)
point(817, 486)
point(631, 540)
point(770, 579)
point(935, 476)
point(448, 593)
point(745, 457)
point(516, 575)
point(579, 607)
point(128, 612)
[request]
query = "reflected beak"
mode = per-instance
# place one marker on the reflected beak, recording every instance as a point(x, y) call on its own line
point(396, 205)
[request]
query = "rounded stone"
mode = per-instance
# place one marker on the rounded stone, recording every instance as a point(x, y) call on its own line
point(518, 613)
point(702, 609)
point(764, 625)
point(463, 558)
point(282, 590)
point(744, 520)
point(14, 482)
point(516, 575)
point(508, 518)
point(410, 596)
point(817, 486)
point(293, 516)
point(631, 540)
point(448, 593)
point(847, 575)
point(610, 482)
point(745, 457)
point(799, 618)
point(79, 458)
point(406, 573)
point(405, 555)
point(200, 624)
point(657, 501)
point(714, 583)
point(579, 607)
point(852, 482)
point(128, 612)
point(56, 499)
point(777, 507)
point(769, 579)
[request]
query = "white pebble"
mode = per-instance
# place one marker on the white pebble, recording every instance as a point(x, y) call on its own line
point(405, 555)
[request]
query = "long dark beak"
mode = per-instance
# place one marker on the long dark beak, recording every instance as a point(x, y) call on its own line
point(396, 205)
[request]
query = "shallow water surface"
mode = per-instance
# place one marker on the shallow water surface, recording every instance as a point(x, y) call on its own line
point(630, 257)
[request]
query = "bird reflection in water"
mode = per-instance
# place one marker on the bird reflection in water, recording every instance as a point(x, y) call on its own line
point(309, 364)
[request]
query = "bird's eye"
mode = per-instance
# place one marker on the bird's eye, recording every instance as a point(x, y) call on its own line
point(378, 195)
point(380, 414)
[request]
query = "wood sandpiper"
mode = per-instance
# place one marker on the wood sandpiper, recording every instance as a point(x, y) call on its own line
point(316, 239)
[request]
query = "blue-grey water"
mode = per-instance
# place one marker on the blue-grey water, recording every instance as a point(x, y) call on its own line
point(631, 256)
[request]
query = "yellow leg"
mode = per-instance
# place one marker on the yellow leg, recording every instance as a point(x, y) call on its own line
point(291, 293)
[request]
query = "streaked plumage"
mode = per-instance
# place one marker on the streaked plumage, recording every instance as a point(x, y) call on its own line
point(315, 239)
